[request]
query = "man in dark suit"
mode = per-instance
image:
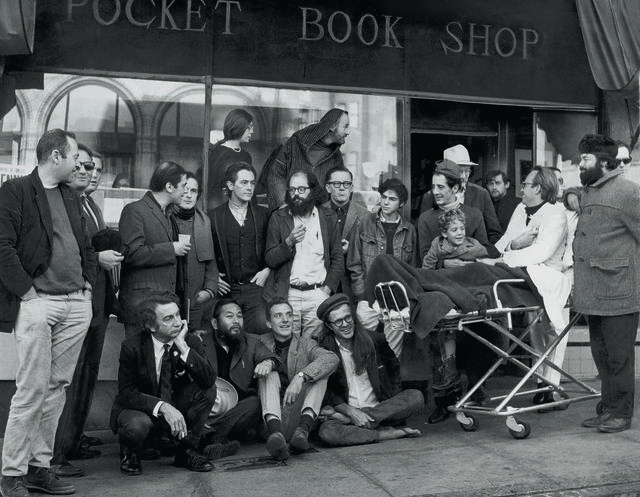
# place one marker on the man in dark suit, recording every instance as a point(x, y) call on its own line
point(239, 229)
point(150, 246)
point(70, 441)
point(166, 384)
point(339, 184)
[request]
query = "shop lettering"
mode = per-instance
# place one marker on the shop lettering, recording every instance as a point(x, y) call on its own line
point(163, 11)
point(486, 40)
point(339, 28)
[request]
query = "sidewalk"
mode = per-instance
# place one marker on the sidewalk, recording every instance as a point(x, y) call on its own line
point(560, 458)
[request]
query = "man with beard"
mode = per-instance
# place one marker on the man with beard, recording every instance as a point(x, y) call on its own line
point(504, 201)
point(606, 270)
point(304, 251)
point(244, 362)
point(315, 149)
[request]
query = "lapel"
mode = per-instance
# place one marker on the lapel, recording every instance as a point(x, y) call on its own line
point(349, 220)
point(98, 213)
point(221, 227)
point(157, 212)
point(149, 357)
point(292, 356)
point(238, 355)
point(73, 207)
point(42, 205)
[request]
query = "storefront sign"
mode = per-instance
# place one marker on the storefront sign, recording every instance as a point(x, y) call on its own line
point(516, 50)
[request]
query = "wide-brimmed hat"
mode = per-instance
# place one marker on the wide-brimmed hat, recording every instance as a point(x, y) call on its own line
point(226, 398)
point(460, 155)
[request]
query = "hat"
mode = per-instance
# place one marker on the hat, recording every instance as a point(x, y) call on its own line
point(460, 155)
point(330, 304)
point(598, 145)
point(226, 398)
point(448, 168)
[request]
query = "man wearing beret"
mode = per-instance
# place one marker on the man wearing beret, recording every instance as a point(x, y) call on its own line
point(445, 185)
point(363, 403)
point(606, 252)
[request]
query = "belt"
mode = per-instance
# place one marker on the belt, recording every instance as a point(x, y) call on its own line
point(235, 281)
point(304, 288)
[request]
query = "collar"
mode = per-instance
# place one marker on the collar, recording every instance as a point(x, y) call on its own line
point(158, 346)
point(606, 177)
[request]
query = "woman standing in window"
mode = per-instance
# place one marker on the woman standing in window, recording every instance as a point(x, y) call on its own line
point(237, 129)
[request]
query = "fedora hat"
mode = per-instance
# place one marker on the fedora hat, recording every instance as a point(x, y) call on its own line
point(460, 155)
point(226, 398)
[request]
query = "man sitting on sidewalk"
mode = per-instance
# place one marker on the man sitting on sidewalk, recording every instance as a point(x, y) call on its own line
point(364, 401)
point(303, 372)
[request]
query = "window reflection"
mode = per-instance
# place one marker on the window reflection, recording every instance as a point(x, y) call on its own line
point(10, 136)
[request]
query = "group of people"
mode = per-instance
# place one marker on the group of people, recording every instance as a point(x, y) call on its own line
point(245, 324)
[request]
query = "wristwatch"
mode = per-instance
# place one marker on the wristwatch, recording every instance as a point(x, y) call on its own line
point(301, 375)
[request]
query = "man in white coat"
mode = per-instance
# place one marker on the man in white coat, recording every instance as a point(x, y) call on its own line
point(535, 239)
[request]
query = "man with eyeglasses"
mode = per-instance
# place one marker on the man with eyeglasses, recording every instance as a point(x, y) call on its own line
point(304, 251)
point(624, 155)
point(339, 185)
point(70, 441)
point(363, 403)
point(47, 272)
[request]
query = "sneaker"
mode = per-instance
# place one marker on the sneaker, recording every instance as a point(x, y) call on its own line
point(300, 440)
point(193, 461)
point(277, 446)
point(45, 480)
point(13, 486)
point(596, 420)
point(218, 450)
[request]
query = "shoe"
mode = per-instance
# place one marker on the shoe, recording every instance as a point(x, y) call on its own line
point(45, 480)
point(539, 397)
point(13, 486)
point(596, 420)
point(299, 442)
point(90, 441)
point(438, 415)
point(548, 398)
point(149, 454)
point(84, 452)
point(614, 425)
point(218, 450)
point(66, 469)
point(130, 463)
point(277, 446)
point(193, 461)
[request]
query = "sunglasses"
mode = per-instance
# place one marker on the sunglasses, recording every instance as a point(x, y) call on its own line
point(626, 160)
point(88, 166)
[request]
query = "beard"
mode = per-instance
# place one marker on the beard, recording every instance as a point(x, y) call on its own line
point(300, 207)
point(232, 340)
point(590, 175)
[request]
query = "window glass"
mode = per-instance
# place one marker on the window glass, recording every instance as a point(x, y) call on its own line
point(370, 151)
point(10, 136)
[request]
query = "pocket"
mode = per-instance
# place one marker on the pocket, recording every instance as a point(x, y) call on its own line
point(612, 277)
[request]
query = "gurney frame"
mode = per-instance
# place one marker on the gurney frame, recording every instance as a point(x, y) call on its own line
point(391, 295)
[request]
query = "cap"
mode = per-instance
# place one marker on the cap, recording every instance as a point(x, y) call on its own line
point(330, 304)
point(448, 168)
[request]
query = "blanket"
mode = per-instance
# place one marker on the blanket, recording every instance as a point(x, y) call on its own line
point(433, 293)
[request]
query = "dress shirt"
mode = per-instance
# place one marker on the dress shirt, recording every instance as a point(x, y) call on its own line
point(158, 353)
point(361, 392)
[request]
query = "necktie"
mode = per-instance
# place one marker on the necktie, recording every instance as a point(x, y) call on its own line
point(164, 385)
point(89, 211)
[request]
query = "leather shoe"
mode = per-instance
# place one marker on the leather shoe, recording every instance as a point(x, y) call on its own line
point(44, 480)
point(277, 446)
point(84, 452)
point(66, 469)
point(191, 460)
point(438, 415)
point(218, 450)
point(130, 463)
point(299, 442)
point(614, 425)
point(90, 441)
point(596, 420)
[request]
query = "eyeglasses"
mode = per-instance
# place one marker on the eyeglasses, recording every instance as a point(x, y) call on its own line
point(626, 160)
point(525, 183)
point(342, 322)
point(88, 165)
point(298, 189)
point(341, 184)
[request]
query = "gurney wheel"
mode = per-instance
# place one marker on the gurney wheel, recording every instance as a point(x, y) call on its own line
point(518, 429)
point(467, 422)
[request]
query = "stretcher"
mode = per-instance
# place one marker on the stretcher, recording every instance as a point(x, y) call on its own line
point(392, 298)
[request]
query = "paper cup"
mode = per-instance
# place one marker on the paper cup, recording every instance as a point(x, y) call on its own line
point(184, 238)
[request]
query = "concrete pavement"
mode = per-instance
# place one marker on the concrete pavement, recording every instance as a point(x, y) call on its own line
point(560, 458)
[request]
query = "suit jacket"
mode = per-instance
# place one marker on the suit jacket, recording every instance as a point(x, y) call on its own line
point(149, 257)
point(279, 256)
point(104, 300)
point(382, 367)
point(249, 354)
point(137, 378)
point(355, 213)
point(478, 197)
point(26, 238)
point(304, 355)
point(218, 226)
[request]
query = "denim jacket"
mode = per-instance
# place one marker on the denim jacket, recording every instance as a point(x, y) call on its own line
point(369, 241)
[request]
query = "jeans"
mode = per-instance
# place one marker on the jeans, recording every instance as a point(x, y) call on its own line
point(49, 331)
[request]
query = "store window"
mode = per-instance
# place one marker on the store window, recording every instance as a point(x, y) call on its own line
point(10, 137)
point(371, 150)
